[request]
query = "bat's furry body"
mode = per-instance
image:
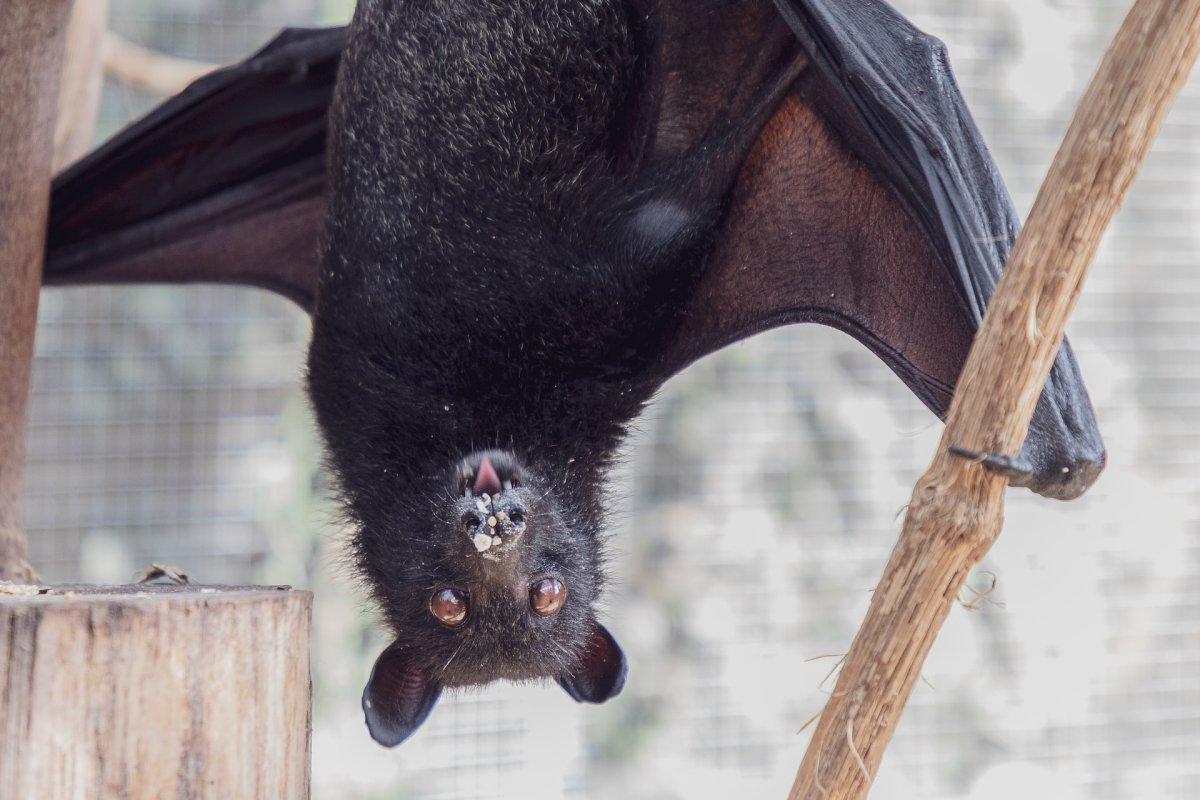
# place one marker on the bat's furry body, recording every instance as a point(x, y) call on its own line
point(494, 280)
point(474, 257)
point(485, 276)
point(467, 302)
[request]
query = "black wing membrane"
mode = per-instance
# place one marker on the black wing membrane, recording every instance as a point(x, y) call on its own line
point(889, 89)
point(869, 203)
point(901, 106)
point(223, 183)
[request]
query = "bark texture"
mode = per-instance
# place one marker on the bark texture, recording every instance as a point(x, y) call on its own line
point(144, 693)
point(31, 47)
point(956, 508)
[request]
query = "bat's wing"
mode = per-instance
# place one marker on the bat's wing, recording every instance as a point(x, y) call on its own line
point(869, 202)
point(223, 183)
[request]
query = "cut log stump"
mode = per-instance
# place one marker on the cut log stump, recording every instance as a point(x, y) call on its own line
point(149, 692)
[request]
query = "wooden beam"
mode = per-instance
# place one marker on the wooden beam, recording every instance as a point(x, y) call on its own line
point(31, 48)
point(956, 508)
point(150, 692)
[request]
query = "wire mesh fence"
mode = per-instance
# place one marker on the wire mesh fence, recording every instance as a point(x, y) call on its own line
point(760, 499)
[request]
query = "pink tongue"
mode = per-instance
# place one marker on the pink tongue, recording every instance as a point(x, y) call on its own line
point(487, 481)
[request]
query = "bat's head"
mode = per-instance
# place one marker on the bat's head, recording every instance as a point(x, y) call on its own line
point(499, 583)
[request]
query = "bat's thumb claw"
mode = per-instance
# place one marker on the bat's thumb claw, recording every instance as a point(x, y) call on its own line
point(1015, 468)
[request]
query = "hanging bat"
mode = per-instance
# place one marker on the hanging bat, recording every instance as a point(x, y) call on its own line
point(513, 222)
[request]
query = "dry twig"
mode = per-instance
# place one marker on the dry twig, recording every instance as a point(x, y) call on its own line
point(147, 70)
point(956, 507)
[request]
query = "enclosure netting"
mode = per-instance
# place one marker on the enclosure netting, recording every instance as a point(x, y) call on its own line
point(760, 499)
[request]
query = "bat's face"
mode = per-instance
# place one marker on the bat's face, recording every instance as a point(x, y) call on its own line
point(498, 582)
point(485, 565)
point(509, 590)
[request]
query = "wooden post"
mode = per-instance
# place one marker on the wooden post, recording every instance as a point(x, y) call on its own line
point(150, 692)
point(956, 508)
point(31, 47)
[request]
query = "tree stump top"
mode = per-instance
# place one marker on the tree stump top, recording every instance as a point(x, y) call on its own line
point(139, 594)
point(150, 691)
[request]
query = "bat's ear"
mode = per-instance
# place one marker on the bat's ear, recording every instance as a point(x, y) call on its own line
point(599, 674)
point(398, 697)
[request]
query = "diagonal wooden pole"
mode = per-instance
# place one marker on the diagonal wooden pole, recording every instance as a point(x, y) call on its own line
point(956, 508)
point(31, 48)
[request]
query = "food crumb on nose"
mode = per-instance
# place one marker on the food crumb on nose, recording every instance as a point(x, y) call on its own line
point(491, 522)
point(496, 541)
point(482, 542)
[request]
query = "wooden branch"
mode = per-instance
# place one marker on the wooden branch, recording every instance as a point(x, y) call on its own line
point(81, 81)
point(144, 69)
point(956, 509)
point(31, 47)
point(151, 692)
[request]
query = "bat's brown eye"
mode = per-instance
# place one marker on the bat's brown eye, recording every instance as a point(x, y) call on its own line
point(547, 596)
point(449, 606)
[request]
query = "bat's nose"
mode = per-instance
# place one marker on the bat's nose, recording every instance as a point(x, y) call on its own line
point(496, 524)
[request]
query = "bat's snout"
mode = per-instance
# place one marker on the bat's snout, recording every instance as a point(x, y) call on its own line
point(492, 507)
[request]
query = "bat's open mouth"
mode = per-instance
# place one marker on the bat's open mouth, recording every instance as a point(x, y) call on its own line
point(488, 473)
point(493, 512)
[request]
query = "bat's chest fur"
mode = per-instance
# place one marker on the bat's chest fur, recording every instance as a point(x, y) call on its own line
point(472, 295)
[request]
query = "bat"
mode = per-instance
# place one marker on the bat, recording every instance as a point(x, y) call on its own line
point(513, 223)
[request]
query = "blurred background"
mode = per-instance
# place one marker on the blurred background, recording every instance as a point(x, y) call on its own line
point(760, 499)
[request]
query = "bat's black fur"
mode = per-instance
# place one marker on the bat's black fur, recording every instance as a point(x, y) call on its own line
point(491, 283)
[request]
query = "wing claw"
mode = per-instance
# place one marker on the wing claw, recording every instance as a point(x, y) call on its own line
point(1015, 468)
